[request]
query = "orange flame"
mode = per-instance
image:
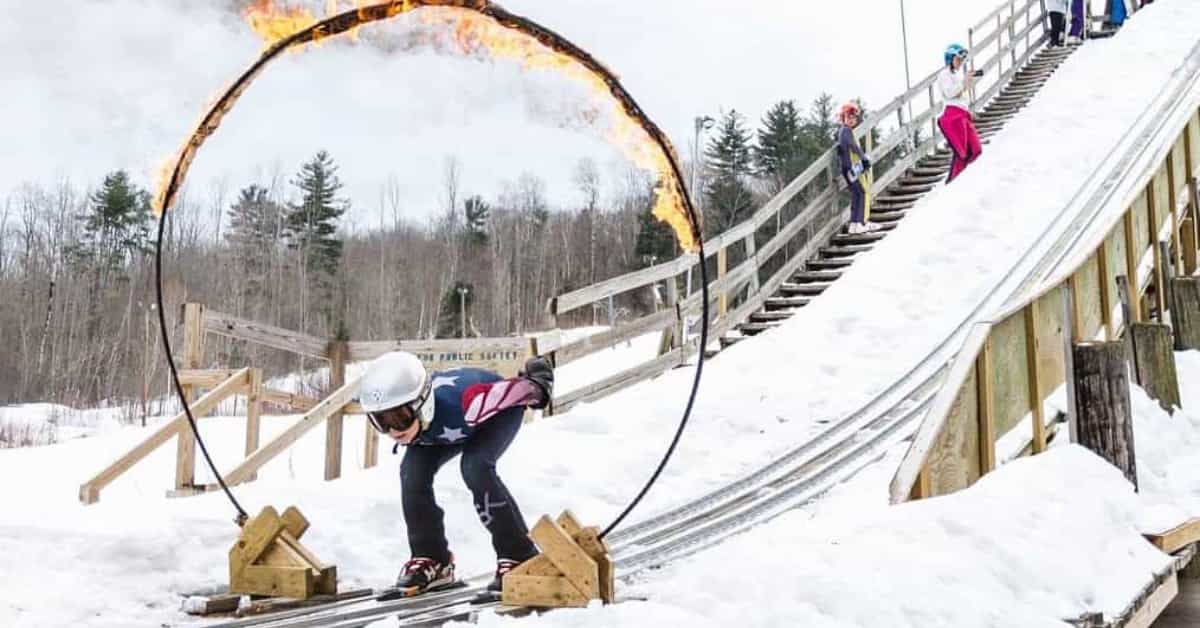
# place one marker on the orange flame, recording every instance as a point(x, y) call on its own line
point(275, 23)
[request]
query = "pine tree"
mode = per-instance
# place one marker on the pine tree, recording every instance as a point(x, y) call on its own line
point(655, 239)
point(477, 213)
point(253, 224)
point(729, 157)
point(116, 227)
point(312, 223)
point(779, 155)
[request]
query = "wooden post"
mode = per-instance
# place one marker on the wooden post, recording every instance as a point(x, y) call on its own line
point(1069, 365)
point(193, 358)
point(1135, 310)
point(333, 425)
point(985, 399)
point(1035, 388)
point(1102, 394)
point(1156, 363)
point(1191, 224)
point(672, 336)
point(1156, 274)
point(1106, 302)
point(1173, 205)
point(370, 447)
point(752, 259)
point(722, 270)
point(1186, 316)
point(253, 413)
point(1169, 289)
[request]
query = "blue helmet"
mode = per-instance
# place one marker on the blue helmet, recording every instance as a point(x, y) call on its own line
point(954, 50)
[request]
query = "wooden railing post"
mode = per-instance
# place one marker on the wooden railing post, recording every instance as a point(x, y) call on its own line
point(193, 358)
point(333, 425)
point(1156, 274)
point(1106, 302)
point(1035, 388)
point(1135, 304)
point(672, 336)
point(752, 258)
point(1190, 240)
point(722, 270)
point(985, 398)
point(253, 412)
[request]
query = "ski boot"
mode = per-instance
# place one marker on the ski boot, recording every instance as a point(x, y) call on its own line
point(422, 575)
point(496, 587)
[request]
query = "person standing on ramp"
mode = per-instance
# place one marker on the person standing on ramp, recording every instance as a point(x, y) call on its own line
point(437, 416)
point(956, 122)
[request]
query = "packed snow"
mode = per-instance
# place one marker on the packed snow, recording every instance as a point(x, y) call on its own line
point(127, 560)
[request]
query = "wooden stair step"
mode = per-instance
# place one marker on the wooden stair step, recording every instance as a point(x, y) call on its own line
point(857, 238)
point(891, 216)
point(847, 250)
point(921, 188)
point(753, 329)
point(770, 317)
point(791, 290)
point(829, 264)
point(814, 276)
point(785, 303)
point(729, 341)
point(894, 198)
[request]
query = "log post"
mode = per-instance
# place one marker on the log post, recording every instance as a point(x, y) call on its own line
point(333, 425)
point(193, 358)
point(1156, 363)
point(1186, 316)
point(1102, 397)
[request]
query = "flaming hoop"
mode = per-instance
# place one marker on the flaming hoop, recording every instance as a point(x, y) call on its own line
point(479, 27)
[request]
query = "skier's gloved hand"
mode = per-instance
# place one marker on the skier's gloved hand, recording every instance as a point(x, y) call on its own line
point(866, 164)
point(540, 372)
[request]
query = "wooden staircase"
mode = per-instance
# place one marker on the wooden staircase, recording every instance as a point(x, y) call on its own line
point(890, 206)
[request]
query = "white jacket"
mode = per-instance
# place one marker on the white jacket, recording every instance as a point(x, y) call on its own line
point(952, 86)
point(1058, 6)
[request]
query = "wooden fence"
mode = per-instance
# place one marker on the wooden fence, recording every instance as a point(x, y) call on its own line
point(770, 246)
point(1008, 366)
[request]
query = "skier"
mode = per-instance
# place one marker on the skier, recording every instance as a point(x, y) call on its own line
point(1116, 13)
point(437, 416)
point(956, 122)
point(855, 167)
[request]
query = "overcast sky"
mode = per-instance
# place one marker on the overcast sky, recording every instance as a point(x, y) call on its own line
point(93, 85)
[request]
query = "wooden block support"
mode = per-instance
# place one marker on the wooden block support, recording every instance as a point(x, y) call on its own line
point(1178, 537)
point(1186, 318)
point(268, 559)
point(1102, 404)
point(573, 568)
point(1156, 363)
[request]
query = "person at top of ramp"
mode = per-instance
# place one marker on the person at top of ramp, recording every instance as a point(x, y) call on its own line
point(956, 123)
point(437, 416)
point(855, 169)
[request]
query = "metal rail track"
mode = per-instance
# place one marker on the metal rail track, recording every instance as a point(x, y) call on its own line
point(806, 472)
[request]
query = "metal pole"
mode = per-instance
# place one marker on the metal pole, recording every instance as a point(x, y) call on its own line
point(907, 72)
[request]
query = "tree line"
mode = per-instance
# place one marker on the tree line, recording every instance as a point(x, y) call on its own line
point(77, 311)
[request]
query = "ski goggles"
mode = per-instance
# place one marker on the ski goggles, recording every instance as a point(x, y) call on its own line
point(400, 418)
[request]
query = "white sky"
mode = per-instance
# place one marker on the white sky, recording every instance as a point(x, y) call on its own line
point(94, 85)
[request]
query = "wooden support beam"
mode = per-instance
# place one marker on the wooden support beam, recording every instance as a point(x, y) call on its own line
point(203, 378)
point(193, 358)
point(1033, 379)
point(1105, 421)
point(722, 270)
point(1156, 363)
point(985, 398)
point(89, 492)
point(253, 413)
point(314, 417)
point(266, 335)
point(333, 425)
point(1157, 274)
point(1131, 271)
point(1106, 299)
point(1177, 538)
point(575, 565)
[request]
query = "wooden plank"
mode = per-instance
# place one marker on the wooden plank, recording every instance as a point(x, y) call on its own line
point(589, 539)
point(1105, 424)
point(1155, 604)
point(541, 592)
point(204, 378)
point(370, 446)
point(1178, 537)
point(266, 335)
point(1153, 221)
point(294, 521)
point(987, 421)
point(503, 355)
point(575, 565)
point(1032, 369)
point(292, 582)
point(193, 358)
point(1106, 302)
point(90, 491)
point(314, 417)
point(1010, 385)
point(253, 413)
point(626, 378)
point(953, 462)
point(539, 565)
point(1131, 267)
point(722, 270)
point(1155, 364)
point(258, 534)
point(333, 425)
point(567, 521)
point(663, 319)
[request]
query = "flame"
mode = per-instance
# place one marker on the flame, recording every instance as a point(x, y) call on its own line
point(275, 23)
point(478, 34)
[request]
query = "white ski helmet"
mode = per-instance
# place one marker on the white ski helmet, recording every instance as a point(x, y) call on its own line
point(396, 379)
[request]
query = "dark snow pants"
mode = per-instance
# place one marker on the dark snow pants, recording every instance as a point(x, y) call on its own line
point(1058, 27)
point(495, 506)
point(1077, 18)
point(857, 201)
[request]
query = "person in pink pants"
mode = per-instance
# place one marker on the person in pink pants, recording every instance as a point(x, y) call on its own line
point(956, 122)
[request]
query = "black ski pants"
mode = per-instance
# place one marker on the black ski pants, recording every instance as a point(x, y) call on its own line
point(495, 506)
point(1058, 26)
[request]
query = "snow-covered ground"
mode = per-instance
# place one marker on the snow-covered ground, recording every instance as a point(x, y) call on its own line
point(125, 560)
